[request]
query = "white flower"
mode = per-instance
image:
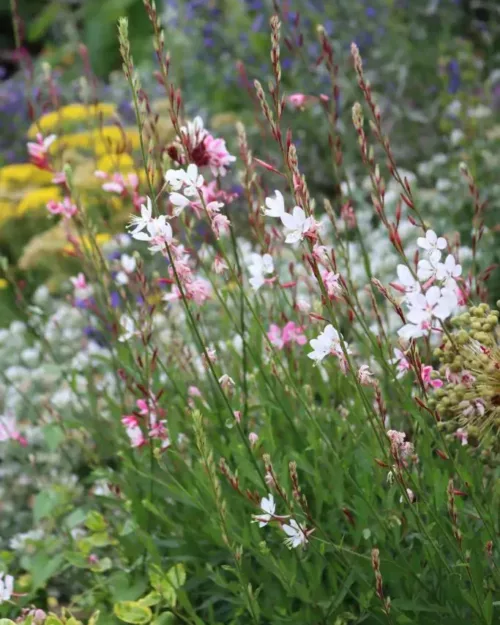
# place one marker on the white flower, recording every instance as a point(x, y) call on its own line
point(159, 233)
point(275, 206)
point(179, 202)
point(428, 268)
point(128, 324)
point(405, 276)
point(448, 271)
point(327, 342)
point(139, 223)
point(423, 308)
point(269, 508)
point(192, 181)
point(129, 265)
point(432, 243)
point(410, 494)
point(189, 181)
point(297, 224)
point(296, 534)
point(175, 178)
point(6, 587)
point(259, 267)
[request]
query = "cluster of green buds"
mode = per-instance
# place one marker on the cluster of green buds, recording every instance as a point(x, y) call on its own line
point(468, 403)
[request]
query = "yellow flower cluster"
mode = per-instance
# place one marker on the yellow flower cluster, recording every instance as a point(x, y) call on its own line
point(72, 113)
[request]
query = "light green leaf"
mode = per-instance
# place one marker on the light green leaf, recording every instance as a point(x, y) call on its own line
point(132, 612)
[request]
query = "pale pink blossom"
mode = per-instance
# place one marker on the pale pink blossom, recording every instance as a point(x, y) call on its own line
point(9, 430)
point(220, 265)
point(221, 225)
point(402, 363)
point(462, 436)
point(253, 438)
point(365, 376)
point(39, 149)
point(332, 284)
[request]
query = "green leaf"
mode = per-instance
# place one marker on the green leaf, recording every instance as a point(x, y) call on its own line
point(6, 621)
point(52, 620)
point(41, 24)
point(95, 522)
point(166, 618)
point(77, 559)
point(44, 505)
point(53, 435)
point(153, 598)
point(177, 576)
point(102, 565)
point(132, 612)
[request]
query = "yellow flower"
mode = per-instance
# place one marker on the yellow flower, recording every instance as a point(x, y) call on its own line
point(37, 199)
point(102, 141)
point(102, 237)
point(111, 163)
point(24, 174)
point(7, 210)
point(3, 284)
point(71, 113)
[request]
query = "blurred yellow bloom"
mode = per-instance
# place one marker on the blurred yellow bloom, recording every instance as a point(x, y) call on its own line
point(111, 163)
point(102, 141)
point(102, 238)
point(23, 174)
point(7, 210)
point(3, 284)
point(71, 113)
point(37, 199)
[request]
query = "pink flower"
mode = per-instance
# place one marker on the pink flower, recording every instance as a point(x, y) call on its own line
point(220, 265)
point(220, 225)
point(332, 284)
point(426, 373)
point(9, 431)
point(79, 281)
point(297, 100)
point(291, 333)
point(66, 208)
point(365, 376)
point(274, 336)
point(218, 157)
point(130, 421)
point(38, 150)
point(136, 437)
point(462, 436)
point(194, 391)
point(402, 363)
point(294, 334)
point(253, 438)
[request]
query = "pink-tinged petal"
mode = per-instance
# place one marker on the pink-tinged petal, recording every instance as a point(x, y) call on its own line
point(441, 243)
point(113, 187)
